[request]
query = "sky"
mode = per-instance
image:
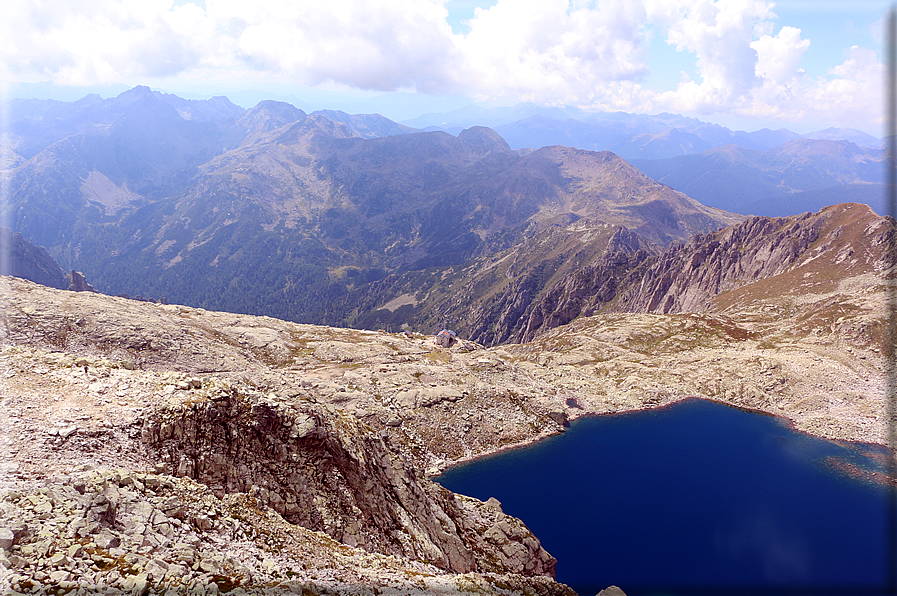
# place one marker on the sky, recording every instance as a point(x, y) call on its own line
point(746, 64)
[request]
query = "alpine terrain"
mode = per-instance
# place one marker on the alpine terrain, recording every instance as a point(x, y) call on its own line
point(240, 389)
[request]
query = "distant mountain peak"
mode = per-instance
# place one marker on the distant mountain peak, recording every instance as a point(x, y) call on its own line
point(279, 110)
point(136, 95)
point(367, 126)
point(853, 135)
point(268, 116)
point(202, 110)
point(137, 91)
point(483, 140)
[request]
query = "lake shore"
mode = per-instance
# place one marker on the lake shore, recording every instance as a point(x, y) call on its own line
point(577, 412)
point(637, 481)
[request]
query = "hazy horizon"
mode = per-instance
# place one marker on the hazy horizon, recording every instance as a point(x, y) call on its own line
point(743, 64)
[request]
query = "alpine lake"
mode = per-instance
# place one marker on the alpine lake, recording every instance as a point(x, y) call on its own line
point(698, 498)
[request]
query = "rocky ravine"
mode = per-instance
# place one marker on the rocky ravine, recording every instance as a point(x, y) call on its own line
point(212, 451)
point(764, 256)
point(580, 267)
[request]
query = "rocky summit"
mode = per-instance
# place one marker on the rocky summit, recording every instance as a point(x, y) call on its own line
point(152, 447)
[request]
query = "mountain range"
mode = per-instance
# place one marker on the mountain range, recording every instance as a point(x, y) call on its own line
point(631, 136)
point(744, 172)
point(188, 449)
point(356, 220)
point(818, 172)
point(282, 213)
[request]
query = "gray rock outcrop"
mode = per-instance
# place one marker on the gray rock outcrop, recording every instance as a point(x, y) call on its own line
point(102, 531)
point(321, 469)
point(79, 283)
point(23, 259)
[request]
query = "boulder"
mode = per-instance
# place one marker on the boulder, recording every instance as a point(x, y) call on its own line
point(7, 539)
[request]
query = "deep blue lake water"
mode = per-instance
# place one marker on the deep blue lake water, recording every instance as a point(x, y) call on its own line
point(696, 498)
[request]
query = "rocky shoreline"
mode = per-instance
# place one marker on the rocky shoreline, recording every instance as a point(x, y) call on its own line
point(788, 422)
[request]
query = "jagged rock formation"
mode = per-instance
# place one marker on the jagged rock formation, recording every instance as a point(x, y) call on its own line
point(784, 180)
point(836, 243)
point(142, 532)
point(323, 471)
point(79, 283)
point(770, 255)
point(584, 267)
point(20, 258)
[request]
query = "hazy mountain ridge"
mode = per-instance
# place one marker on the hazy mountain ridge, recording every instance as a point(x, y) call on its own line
point(21, 258)
point(632, 136)
point(734, 178)
point(37, 124)
point(283, 213)
point(874, 195)
point(367, 126)
point(216, 108)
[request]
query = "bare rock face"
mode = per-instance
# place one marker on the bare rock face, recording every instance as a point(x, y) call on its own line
point(323, 470)
point(849, 238)
point(686, 277)
point(27, 261)
point(79, 283)
point(103, 531)
point(590, 288)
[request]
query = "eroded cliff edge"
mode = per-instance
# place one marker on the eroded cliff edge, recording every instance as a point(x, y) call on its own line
point(119, 473)
point(322, 469)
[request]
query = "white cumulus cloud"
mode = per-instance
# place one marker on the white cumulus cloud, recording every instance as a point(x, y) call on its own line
point(720, 35)
point(369, 44)
point(89, 41)
point(778, 57)
point(589, 53)
point(547, 50)
point(855, 93)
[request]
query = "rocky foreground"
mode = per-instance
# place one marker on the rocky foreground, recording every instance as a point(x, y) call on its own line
point(150, 447)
